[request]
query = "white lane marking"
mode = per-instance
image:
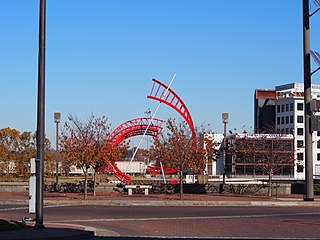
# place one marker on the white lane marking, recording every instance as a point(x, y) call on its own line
point(184, 218)
point(24, 208)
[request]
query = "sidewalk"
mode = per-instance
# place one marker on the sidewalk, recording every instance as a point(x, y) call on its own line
point(122, 199)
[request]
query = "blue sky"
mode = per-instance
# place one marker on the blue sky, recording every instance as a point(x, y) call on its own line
point(102, 54)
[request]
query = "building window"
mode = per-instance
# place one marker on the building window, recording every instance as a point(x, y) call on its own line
point(300, 106)
point(300, 119)
point(287, 107)
point(287, 119)
point(282, 120)
point(318, 156)
point(278, 120)
point(300, 168)
point(291, 119)
point(291, 107)
point(318, 144)
point(278, 108)
point(300, 143)
point(300, 131)
point(300, 156)
point(282, 108)
point(318, 133)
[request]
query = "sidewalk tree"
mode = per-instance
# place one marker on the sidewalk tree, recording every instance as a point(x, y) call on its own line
point(9, 145)
point(175, 147)
point(16, 149)
point(85, 145)
point(27, 150)
point(107, 152)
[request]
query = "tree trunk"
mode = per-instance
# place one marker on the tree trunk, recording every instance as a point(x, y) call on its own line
point(94, 183)
point(270, 184)
point(86, 185)
point(181, 185)
point(8, 170)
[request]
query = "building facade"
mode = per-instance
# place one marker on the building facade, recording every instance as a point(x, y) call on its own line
point(261, 155)
point(288, 104)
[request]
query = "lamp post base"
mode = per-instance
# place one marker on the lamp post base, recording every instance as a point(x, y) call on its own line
point(39, 226)
point(309, 199)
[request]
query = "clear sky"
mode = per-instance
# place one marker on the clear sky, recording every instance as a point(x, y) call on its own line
point(102, 54)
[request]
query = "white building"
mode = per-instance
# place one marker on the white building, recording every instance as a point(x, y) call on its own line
point(214, 167)
point(289, 119)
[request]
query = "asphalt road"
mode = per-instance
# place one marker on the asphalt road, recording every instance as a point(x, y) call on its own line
point(203, 222)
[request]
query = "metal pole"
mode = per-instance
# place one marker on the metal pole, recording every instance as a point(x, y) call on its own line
point(40, 117)
point(57, 156)
point(224, 151)
point(307, 98)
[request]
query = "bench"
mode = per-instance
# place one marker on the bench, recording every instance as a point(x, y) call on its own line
point(145, 187)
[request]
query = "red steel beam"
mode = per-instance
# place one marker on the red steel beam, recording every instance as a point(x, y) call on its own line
point(169, 99)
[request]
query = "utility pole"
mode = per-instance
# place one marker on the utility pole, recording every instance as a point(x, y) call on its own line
point(40, 117)
point(307, 98)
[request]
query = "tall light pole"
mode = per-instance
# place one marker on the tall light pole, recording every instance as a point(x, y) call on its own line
point(57, 117)
point(307, 99)
point(40, 117)
point(225, 118)
point(149, 114)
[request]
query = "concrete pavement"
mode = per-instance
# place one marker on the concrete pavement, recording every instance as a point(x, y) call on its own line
point(54, 231)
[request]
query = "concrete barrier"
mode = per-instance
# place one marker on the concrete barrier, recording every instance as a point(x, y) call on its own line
point(281, 189)
point(14, 187)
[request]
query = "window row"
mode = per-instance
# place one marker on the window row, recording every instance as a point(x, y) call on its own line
point(289, 119)
point(299, 132)
point(288, 107)
point(290, 131)
point(285, 131)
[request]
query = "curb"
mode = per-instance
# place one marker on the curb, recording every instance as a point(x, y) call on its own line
point(137, 201)
point(279, 203)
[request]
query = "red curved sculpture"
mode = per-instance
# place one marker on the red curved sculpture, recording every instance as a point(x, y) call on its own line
point(131, 128)
point(160, 93)
point(135, 127)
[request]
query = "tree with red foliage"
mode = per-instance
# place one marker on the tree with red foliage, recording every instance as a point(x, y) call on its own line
point(85, 145)
point(176, 148)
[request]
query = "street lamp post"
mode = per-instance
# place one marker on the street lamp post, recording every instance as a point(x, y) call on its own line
point(148, 112)
point(309, 188)
point(225, 118)
point(57, 117)
point(307, 99)
point(40, 117)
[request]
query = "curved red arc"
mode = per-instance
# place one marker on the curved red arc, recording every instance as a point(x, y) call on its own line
point(135, 127)
point(161, 92)
point(131, 128)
